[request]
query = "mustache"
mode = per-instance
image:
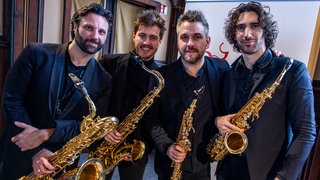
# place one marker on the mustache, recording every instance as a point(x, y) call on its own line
point(146, 46)
point(96, 41)
point(191, 49)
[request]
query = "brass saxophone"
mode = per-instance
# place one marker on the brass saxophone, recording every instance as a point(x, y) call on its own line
point(235, 141)
point(182, 139)
point(112, 154)
point(91, 130)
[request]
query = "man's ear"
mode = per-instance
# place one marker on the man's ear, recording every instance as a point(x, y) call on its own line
point(133, 36)
point(208, 40)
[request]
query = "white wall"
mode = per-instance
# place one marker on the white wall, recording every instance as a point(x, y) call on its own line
point(296, 24)
point(52, 21)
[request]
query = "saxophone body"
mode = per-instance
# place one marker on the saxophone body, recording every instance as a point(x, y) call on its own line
point(182, 139)
point(235, 141)
point(91, 130)
point(112, 154)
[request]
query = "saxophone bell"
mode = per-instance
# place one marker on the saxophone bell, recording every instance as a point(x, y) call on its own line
point(235, 142)
point(137, 150)
point(92, 169)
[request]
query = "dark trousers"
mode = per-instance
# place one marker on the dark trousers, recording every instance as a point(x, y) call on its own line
point(128, 170)
point(233, 167)
point(166, 173)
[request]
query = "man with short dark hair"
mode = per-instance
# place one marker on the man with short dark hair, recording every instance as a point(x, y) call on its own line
point(131, 84)
point(42, 107)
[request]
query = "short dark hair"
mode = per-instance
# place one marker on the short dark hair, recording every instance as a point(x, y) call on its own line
point(91, 8)
point(194, 16)
point(150, 18)
point(269, 27)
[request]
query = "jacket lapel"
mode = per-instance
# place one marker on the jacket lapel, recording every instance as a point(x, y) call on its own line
point(122, 65)
point(179, 83)
point(56, 76)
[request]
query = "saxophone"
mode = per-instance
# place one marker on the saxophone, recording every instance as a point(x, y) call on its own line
point(91, 130)
point(235, 141)
point(182, 139)
point(112, 154)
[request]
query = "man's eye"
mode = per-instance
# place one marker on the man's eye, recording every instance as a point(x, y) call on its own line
point(88, 27)
point(183, 37)
point(101, 32)
point(154, 38)
point(240, 27)
point(142, 36)
point(198, 37)
point(255, 25)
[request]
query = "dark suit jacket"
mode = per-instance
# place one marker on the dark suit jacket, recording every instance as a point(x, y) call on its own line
point(282, 137)
point(165, 116)
point(117, 65)
point(30, 96)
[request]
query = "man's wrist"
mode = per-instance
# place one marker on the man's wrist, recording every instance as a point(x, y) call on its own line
point(47, 133)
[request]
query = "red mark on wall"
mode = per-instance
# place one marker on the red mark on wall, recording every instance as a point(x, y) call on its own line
point(225, 53)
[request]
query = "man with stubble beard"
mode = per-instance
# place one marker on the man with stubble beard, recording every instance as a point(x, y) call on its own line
point(190, 72)
point(130, 84)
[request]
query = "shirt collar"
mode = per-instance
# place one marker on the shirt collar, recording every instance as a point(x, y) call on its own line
point(261, 63)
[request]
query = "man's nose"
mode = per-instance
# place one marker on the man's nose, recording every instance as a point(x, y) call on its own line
point(247, 32)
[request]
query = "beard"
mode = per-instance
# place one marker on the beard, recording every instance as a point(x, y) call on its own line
point(87, 48)
point(250, 49)
point(193, 58)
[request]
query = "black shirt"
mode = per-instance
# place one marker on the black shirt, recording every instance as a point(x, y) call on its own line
point(203, 113)
point(246, 78)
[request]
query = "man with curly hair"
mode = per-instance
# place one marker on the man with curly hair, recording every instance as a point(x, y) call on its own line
point(280, 139)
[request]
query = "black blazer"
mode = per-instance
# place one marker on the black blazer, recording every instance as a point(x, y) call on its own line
point(164, 117)
point(117, 65)
point(282, 137)
point(30, 95)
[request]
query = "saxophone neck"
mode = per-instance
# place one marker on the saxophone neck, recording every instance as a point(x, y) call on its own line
point(79, 85)
point(155, 73)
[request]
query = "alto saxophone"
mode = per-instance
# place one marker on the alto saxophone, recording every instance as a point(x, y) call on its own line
point(182, 139)
point(235, 141)
point(91, 130)
point(112, 154)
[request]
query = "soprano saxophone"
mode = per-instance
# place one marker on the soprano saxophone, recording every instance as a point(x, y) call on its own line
point(91, 130)
point(182, 139)
point(235, 141)
point(112, 154)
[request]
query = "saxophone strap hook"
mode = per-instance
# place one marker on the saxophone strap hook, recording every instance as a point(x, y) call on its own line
point(198, 92)
point(136, 58)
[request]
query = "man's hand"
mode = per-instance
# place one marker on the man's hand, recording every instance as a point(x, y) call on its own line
point(41, 164)
point(30, 137)
point(176, 153)
point(113, 137)
point(223, 124)
point(277, 53)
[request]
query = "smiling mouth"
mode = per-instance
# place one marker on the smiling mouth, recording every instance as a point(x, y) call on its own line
point(145, 48)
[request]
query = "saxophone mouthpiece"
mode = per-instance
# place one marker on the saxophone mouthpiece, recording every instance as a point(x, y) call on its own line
point(78, 83)
point(199, 91)
point(288, 64)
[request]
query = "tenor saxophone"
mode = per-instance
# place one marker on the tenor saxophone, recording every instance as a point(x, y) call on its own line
point(112, 154)
point(91, 130)
point(182, 139)
point(235, 141)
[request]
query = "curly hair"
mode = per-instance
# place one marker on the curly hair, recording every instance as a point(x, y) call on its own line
point(150, 18)
point(269, 27)
point(91, 8)
point(194, 16)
